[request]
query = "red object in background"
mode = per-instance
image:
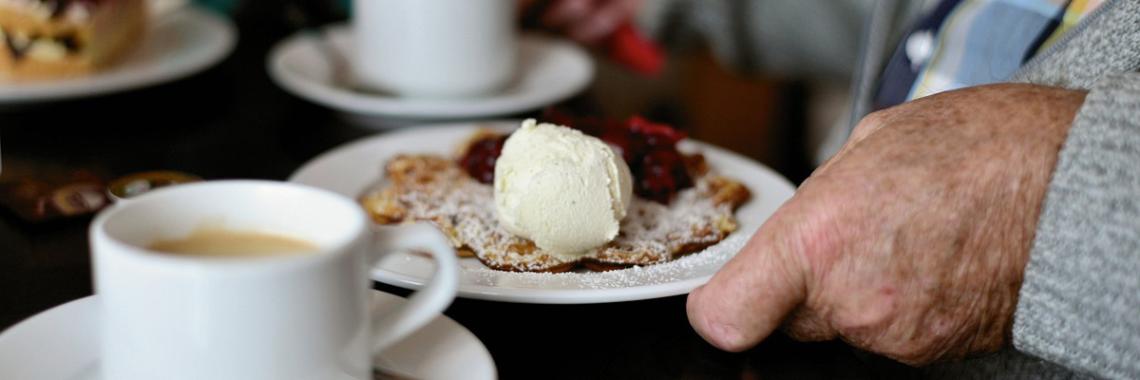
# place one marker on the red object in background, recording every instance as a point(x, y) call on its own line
point(630, 48)
point(626, 45)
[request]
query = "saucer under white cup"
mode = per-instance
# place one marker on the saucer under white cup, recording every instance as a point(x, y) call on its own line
point(62, 343)
point(281, 317)
point(548, 70)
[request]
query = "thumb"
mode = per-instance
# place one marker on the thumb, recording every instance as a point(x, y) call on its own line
point(752, 294)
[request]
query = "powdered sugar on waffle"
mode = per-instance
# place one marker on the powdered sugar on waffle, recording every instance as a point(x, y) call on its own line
point(651, 233)
point(660, 230)
point(681, 269)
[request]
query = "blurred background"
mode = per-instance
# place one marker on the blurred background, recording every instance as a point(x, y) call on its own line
point(757, 87)
point(232, 121)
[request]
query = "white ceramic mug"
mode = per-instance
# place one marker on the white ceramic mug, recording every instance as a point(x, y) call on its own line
point(434, 48)
point(304, 316)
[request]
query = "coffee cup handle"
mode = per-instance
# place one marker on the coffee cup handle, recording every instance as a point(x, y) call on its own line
point(427, 302)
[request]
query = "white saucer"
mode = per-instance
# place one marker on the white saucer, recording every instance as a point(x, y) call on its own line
point(550, 70)
point(355, 167)
point(178, 44)
point(62, 343)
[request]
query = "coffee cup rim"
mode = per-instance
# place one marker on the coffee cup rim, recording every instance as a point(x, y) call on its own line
point(358, 230)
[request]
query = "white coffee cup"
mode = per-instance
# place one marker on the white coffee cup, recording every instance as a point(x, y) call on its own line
point(434, 48)
point(166, 316)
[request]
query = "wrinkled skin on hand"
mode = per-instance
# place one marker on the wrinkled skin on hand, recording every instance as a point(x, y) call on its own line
point(912, 241)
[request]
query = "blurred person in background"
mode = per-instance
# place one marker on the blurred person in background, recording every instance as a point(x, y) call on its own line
point(984, 191)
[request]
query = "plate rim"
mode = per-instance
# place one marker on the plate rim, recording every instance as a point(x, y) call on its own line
point(555, 296)
point(101, 83)
point(318, 92)
point(520, 295)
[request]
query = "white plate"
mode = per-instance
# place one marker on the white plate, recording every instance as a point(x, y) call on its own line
point(63, 343)
point(550, 70)
point(178, 44)
point(353, 168)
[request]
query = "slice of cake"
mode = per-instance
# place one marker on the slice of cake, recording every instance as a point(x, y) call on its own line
point(60, 38)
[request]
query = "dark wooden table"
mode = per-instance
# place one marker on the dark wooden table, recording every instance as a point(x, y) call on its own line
point(233, 122)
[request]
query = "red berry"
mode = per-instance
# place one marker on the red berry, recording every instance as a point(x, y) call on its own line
point(656, 134)
point(661, 174)
point(479, 161)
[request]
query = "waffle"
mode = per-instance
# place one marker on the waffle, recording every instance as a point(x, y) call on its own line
point(435, 189)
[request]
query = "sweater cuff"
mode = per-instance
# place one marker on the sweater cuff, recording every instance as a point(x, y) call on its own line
point(1079, 304)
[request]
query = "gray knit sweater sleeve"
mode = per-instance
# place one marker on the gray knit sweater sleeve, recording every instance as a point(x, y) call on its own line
point(1080, 302)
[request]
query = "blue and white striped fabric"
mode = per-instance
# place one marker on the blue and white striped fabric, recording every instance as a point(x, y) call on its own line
point(964, 43)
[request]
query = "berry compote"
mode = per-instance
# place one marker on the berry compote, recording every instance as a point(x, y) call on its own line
point(650, 150)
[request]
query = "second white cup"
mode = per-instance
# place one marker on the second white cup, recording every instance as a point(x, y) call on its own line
point(434, 48)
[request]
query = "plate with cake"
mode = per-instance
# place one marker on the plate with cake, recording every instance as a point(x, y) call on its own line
point(542, 213)
point(60, 49)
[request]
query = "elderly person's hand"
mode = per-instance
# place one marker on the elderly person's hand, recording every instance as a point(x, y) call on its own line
point(589, 21)
point(912, 241)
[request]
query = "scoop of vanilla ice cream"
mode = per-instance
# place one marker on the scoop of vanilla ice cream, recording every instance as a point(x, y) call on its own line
point(560, 188)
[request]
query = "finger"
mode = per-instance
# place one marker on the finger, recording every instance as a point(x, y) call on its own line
point(752, 294)
point(602, 22)
point(565, 12)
